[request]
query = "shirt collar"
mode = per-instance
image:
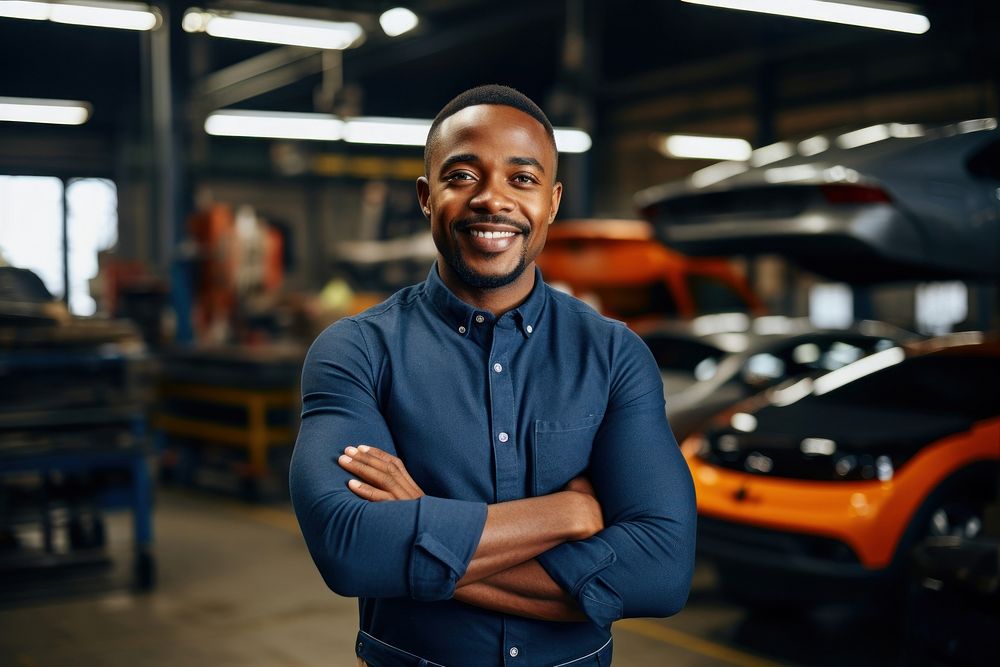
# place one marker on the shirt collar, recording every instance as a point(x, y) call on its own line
point(459, 315)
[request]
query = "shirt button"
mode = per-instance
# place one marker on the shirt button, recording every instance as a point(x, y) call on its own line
point(528, 329)
point(461, 330)
point(480, 319)
point(498, 368)
point(503, 437)
point(513, 651)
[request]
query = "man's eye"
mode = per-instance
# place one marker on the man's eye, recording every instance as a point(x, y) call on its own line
point(459, 176)
point(525, 178)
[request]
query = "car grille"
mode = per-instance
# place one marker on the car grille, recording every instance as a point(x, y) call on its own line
point(717, 536)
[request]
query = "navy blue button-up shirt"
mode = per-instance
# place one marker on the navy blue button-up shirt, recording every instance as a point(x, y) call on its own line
point(485, 409)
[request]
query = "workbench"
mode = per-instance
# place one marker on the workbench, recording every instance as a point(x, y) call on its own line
point(234, 409)
point(73, 445)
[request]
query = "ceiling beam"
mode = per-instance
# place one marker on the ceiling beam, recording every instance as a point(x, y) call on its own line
point(255, 76)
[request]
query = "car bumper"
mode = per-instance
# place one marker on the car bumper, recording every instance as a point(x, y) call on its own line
point(817, 524)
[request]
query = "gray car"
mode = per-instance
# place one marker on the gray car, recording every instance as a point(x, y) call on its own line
point(889, 202)
point(716, 361)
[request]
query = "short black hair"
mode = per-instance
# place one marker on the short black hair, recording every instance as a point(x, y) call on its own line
point(489, 94)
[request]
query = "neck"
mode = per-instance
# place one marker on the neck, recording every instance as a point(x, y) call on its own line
point(496, 300)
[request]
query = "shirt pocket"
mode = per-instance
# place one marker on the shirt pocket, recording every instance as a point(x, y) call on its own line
point(561, 451)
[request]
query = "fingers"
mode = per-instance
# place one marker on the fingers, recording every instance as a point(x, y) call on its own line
point(394, 461)
point(368, 492)
point(380, 471)
point(369, 470)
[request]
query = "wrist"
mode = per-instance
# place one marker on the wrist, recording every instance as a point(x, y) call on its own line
point(584, 516)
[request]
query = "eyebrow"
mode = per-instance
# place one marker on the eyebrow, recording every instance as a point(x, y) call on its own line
point(527, 162)
point(472, 157)
point(455, 159)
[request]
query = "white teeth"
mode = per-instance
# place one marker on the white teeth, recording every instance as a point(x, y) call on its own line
point(491, 235)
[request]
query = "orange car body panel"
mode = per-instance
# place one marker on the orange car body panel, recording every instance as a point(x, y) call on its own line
point(593, 254)
point(869, 516)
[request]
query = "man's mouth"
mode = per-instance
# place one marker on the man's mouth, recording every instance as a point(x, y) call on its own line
point(491, 235)
point(497, 225)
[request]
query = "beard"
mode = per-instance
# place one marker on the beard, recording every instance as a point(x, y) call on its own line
point(470, 276)
point(481, 281)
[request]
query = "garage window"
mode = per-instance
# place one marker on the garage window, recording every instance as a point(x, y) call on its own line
point(32, 209)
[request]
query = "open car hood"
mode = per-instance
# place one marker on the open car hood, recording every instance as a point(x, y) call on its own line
point(917, 208)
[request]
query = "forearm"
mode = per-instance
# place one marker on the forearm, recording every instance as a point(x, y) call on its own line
point(519, 530)
point(523, 590)
point(512, 533)
point(641, 564)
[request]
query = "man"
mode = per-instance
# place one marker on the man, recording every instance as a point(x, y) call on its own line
point(483, 461)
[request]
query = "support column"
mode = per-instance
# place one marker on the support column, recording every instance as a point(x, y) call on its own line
point(572, 102)
point(167, 166)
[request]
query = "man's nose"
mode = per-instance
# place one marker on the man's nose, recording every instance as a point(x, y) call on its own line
point(492, 197)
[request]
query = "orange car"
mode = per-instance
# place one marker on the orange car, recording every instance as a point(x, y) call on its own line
point(819, 489)
point(620, 268)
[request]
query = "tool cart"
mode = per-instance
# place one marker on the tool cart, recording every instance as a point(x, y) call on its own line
point(73, 444)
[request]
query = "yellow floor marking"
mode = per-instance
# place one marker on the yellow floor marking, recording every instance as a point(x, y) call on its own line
point(661, 633)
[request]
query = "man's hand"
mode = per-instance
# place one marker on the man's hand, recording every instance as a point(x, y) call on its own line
point(381, 476)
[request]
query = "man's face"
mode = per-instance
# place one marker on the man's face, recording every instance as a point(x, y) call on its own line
point(490, 194)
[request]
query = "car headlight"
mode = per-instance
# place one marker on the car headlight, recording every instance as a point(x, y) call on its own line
point(818, 459)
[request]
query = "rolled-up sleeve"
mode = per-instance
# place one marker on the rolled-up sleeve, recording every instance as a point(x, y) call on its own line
point(641, 563)
point(407, 548)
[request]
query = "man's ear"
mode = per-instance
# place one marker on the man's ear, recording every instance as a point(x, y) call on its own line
point(556, 198)
point(424, 195)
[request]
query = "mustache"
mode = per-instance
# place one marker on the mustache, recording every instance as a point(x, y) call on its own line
point(464, 224)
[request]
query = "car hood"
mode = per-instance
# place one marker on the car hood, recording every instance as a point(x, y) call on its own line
point(895, 209)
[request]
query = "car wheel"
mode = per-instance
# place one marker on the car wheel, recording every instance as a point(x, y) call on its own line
point(956, 508)
point(956, 518)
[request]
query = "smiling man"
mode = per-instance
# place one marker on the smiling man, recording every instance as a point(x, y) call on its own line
point(483, 461)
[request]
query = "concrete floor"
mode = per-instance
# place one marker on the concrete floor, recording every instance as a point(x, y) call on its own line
point(236, 587)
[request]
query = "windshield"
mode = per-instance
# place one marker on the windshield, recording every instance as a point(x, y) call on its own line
point(965, 385)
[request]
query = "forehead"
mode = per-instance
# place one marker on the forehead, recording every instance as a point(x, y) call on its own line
point(493, 127)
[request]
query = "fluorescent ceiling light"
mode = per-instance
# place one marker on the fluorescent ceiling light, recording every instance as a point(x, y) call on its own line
point(55, 112)
point(275, 125)
point(121, 15)
point(273, 29)
point(571, 140)
point(392, 131)
point(883, 15)
point(34, 11)
point(397, 21)
point(126, 16)
point(706, 148)
point(359, 130)
point(864, 136)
